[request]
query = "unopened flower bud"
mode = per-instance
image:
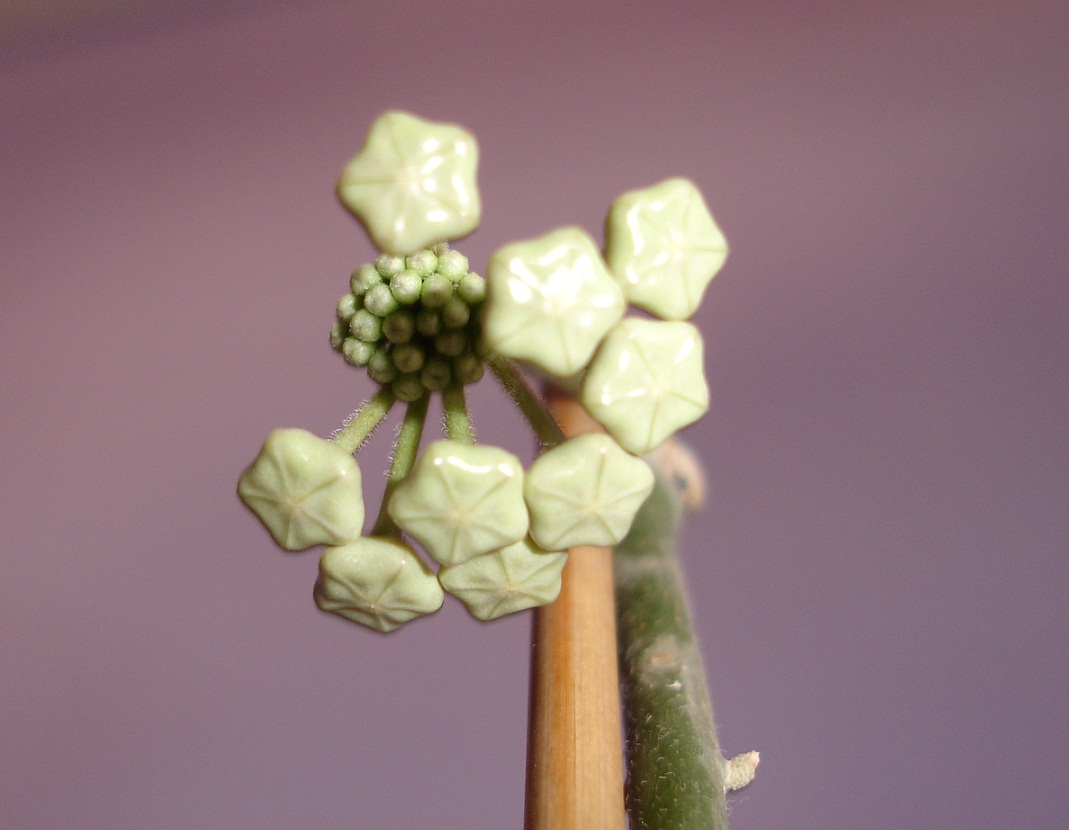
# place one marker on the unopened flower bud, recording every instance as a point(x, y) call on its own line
point(399, 327)
point(363, 278)
point(408, 357)
point(451, 342)
point(366, 326)
point(472, 289)
point(408, 388)
point(455, 313)
point(452, 265)
point(389, 265)
point(347, 306)
point(357, 352)
point(379, 300)
point(436, 374)
point(428, 322)
point(436, 290)
point(467, 368)
point(423, 263)
point(406, 286)
point(338, 333)
point(380, 367)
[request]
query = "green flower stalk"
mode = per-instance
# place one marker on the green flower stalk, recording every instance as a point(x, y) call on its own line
point(676, 776)
point(463, 518)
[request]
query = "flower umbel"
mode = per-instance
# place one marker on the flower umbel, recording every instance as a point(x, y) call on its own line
point(421, 323)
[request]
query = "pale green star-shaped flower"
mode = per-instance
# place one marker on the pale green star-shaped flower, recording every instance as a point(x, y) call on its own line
point(511, 579)
point(664, 247)
point(305, 490)
point(646, 382)
point(585, 491)
point(377, 582)
point(550, 300)
point(413, 183)
point(462, 500)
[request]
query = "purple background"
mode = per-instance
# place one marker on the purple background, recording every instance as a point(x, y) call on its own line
point(880, 577)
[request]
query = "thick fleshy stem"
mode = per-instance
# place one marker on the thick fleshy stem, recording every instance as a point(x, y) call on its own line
point(364, 421)
point(529, 402)
point(455, 411)
point(404, 457)
point(676, 775)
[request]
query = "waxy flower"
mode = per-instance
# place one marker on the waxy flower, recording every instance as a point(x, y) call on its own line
point(305, 490)
point(646, 382)
point(462, 500)
point(550, 301)
point(585, 491)
point(511, 579)
point(377, 582)
point(413, 183)
point(420, 323)
point(663, 246)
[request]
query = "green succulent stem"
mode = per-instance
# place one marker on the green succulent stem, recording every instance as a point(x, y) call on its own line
point(364, 421)
point(457, 420)
point(675, 770)
point(404, 457)
point(530, 403)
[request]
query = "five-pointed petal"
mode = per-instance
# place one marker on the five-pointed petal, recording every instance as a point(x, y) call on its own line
point(511, 579)
point(550, 300)
point(663, 246)
point(461, 501)
point(585, 491)
point(305, 490)
point(376, 582)
point(646, 381)
point(413, 183)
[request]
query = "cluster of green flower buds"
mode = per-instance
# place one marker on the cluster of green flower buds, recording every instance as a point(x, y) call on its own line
point(414, 322)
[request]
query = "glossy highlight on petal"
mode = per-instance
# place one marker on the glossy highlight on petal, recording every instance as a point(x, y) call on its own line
point(413, 183)
point(305, 490)
point(585, 491)
point(550, 301)
point(376, 582)
point(646, 381)
point(664, 247)
point(461, 501)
